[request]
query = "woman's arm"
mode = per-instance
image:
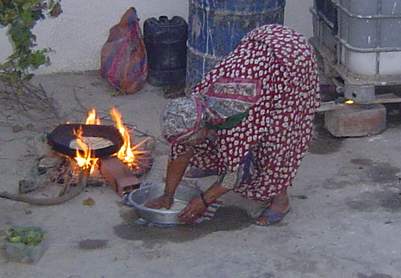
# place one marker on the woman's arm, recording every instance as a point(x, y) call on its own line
point(214, 192)
point(175, 171)
point(197, 206)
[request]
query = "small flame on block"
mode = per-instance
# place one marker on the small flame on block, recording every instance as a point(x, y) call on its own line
point(349, 101)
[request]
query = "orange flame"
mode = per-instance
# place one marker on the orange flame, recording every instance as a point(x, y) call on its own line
point(83, 154)
point(349, 101)
point(92, 118)
point(126, 154)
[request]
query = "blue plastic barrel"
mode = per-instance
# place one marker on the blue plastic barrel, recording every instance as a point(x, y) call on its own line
point(217, 26)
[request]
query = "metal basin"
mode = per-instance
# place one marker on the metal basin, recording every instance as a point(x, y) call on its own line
point(139, 197)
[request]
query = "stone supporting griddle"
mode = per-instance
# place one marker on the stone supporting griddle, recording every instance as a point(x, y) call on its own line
point(119, 175)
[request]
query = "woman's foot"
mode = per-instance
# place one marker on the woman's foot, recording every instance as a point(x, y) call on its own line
point(274, 213)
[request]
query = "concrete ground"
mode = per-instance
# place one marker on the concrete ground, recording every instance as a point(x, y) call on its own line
point(345, 219)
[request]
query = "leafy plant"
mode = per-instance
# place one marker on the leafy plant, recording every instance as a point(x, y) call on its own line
point(26, 235)
point(20, 16)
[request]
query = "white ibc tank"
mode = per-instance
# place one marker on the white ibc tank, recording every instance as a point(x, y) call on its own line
point(369, 33)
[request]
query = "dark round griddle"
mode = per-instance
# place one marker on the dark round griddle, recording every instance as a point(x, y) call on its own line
point(61, 137)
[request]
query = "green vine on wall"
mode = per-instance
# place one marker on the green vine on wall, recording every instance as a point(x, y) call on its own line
point(20, 16)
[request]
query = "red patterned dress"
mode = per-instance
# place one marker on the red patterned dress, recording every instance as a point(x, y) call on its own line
point(273, 71)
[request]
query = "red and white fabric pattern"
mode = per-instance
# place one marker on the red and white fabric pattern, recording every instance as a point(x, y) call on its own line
point(280, 64)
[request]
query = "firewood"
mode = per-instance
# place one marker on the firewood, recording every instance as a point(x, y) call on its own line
point(83, 178)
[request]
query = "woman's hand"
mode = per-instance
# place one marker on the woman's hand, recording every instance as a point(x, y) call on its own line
point(195, 209)
point(175, 171)
point(198, 205)
point(164, 201)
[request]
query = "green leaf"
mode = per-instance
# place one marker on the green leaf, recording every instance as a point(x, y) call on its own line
point(26, 235)
point(26, 17)
point(38, 59)
point(89, 202)
point(20, 16)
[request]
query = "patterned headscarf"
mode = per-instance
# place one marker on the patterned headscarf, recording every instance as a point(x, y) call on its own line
point(182, 117)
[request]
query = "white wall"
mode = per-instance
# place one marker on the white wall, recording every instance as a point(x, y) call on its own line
point(297, 16)
point(78, 34)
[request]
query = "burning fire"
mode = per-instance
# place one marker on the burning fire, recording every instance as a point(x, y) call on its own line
point(127, 153)
point(349, 101)
point(83, 154)
point(92, 118)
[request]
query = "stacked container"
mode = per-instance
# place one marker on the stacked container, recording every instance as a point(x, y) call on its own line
point(165, 41)
point(361, 39)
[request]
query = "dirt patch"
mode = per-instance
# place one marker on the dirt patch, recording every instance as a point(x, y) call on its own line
point(92, 244)
point(362, 161)
point(323, 142)
point(371, 201)
point(383, 173)
point(300, 197)
point(362, 170)
point(393, 115)
point(226, 219)
point(376, 275)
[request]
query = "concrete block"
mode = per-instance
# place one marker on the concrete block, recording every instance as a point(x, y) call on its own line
point(356, 120)
point(118, 175)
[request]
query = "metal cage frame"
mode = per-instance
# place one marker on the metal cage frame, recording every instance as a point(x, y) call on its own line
point(356, 86)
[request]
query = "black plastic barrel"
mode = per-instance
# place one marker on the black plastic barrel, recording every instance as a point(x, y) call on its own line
point(165, 41)
point(217, 26)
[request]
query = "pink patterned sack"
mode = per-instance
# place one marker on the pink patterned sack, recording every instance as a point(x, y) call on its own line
point(123, 58)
